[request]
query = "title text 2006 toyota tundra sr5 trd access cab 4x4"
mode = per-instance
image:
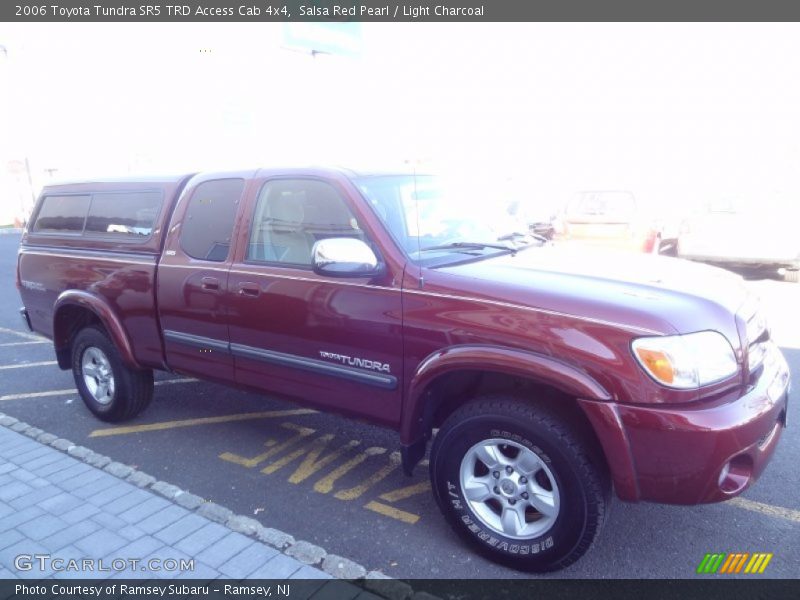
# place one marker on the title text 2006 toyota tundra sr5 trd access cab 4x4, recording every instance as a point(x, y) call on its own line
point(550, 375)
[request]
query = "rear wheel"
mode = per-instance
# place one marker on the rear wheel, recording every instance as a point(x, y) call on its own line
point(111, 390)
point(518, 484)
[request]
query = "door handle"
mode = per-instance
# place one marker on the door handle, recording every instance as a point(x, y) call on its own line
point(247, 288)
point(209, 283)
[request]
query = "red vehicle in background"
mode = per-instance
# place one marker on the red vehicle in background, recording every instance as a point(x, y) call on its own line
point(612, 219)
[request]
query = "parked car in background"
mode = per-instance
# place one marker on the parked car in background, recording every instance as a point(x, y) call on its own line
point(744, 236)
point(613, 219)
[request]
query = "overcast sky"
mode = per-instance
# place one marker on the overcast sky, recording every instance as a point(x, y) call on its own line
point(676, 113)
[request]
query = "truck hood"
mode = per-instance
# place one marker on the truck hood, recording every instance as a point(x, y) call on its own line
point(658, 293)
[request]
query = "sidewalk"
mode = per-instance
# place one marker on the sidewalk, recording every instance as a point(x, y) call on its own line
point(56, 505)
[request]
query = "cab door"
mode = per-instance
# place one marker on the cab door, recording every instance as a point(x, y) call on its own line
point(193, 277)
point(331, 341)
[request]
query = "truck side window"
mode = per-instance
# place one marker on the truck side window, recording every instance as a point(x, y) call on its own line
point(208, 223)
point(292, 214)
point(129, 214)
point(62, 214)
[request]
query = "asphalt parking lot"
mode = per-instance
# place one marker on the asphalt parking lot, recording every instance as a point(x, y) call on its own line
point(337, 482)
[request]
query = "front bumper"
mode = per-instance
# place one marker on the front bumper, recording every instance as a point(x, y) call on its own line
point(704, 452)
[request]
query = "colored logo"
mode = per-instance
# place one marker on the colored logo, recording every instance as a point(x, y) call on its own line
point(735, 562)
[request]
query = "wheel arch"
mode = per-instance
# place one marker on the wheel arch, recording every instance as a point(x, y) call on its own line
point(74, 310)
point(448, 378)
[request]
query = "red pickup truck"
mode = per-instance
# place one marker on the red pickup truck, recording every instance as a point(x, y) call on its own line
point(546, 377)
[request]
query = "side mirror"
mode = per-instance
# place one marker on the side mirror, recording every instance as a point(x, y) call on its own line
point(344, 257)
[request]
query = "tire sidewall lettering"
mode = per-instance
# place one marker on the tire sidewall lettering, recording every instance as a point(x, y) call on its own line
point(519, 547)
point(500, 433)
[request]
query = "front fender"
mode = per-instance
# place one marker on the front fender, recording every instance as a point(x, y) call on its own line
point(99, 307)
point(528, 365)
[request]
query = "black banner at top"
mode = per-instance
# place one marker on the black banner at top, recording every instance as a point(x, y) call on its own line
point(396, 10)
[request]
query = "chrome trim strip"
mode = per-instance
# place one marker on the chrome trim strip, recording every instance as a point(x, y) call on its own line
point(387, 382)
point(197, 341)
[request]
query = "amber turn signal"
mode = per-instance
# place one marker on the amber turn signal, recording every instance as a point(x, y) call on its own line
point(657, 363)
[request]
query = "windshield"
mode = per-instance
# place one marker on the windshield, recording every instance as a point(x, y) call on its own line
point(431, 217)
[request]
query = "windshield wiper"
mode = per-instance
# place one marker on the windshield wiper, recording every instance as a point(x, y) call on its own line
point(470, 246)
point(515, 235)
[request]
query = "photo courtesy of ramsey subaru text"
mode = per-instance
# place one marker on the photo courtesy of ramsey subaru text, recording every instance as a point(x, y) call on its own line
point(543, 380)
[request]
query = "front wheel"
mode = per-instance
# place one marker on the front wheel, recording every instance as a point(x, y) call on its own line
point(110, 389)
point(518, 484)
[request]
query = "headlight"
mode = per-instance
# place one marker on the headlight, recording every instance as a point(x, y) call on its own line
point(686, 361)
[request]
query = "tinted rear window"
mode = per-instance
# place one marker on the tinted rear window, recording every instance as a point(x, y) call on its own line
point(129, 214)
point(62, 214)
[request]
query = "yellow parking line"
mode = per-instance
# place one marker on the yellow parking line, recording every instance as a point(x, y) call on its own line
point(22, 334)
point(377, 476)
point(270, 414)
point(325, 485)
point(34, 364)
point(391, 511)
point(305, 448)
point(406, 492)
point(313, 463)
point(274, 447)
point(70, 391)
point(767, 509)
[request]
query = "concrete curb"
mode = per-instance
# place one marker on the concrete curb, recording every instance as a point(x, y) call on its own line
point(306, 552)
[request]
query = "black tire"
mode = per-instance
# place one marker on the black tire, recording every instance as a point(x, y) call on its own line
point(133, 389)
point(583, 483)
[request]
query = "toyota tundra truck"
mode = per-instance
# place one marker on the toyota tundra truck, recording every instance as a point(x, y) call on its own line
point(544, 379)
